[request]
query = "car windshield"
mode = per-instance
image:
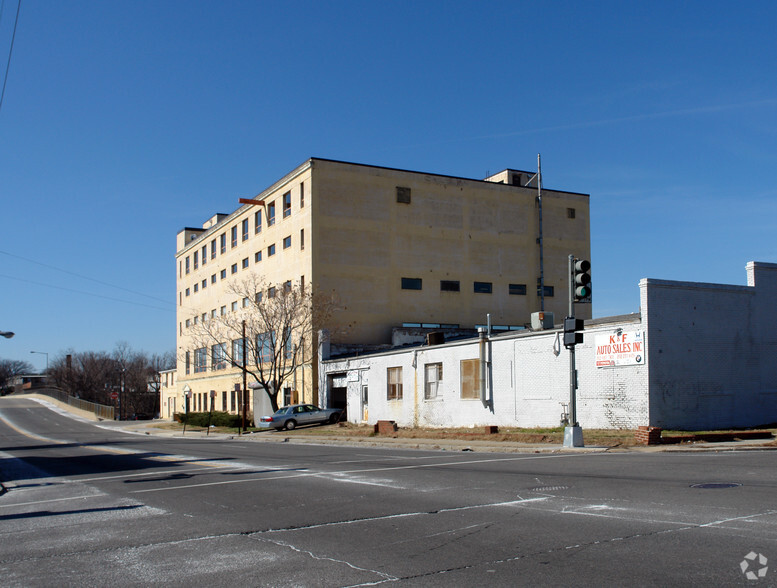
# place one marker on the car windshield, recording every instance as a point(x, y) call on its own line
point(281, 410)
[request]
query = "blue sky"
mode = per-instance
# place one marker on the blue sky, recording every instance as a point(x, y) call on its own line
point(124, 121)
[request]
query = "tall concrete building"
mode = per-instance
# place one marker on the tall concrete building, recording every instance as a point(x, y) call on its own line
point(396, 247)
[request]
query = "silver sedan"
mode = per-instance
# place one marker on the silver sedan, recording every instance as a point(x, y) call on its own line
point(289, 417)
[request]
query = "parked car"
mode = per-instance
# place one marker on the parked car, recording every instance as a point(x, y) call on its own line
point(289, 417)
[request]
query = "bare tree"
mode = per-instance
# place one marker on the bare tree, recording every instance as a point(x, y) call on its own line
point(271, 332)
point(10, 368)
point(94, 376)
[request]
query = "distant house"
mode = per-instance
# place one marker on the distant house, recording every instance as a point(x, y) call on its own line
point(28, 381)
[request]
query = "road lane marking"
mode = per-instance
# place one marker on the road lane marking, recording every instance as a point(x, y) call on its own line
point(362, 471)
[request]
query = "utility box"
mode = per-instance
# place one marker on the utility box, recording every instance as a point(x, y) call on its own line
point(541, 321)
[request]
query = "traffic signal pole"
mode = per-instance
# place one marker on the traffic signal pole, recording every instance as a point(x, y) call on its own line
point(573, 434)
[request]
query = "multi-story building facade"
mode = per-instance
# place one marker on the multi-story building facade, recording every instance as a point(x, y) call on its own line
point(395, 247)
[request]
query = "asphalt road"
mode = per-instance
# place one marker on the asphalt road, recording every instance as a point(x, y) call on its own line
point(91, 505)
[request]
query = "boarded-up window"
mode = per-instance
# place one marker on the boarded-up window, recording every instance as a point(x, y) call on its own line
point(433, 377)
point(470, 369)
point(394, 379)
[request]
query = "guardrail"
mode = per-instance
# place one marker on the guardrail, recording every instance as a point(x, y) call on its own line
point(100, 410)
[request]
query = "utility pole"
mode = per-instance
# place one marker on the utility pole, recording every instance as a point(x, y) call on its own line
point(539, 238)
point(245, 371)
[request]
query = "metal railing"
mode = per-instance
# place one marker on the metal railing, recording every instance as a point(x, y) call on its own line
point(100, 410)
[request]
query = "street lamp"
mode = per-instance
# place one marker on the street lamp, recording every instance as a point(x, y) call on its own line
point(6, 334)
point(47, 358)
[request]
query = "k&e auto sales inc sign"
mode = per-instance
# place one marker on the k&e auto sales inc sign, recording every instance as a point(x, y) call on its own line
point(625, 348)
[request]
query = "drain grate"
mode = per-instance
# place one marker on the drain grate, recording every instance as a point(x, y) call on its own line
point(715, 485)
point(548, 488)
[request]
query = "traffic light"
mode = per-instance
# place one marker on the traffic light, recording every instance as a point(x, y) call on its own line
point(582, 280)
point(572, 334)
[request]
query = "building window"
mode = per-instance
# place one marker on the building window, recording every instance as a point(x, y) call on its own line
point(237, 351)
point(257, 257)
point(204, 254)
point(223, 274)
point(244, 226)
point(233, 269)
point(233, 406)
point(548, 291)
point(187, 264)
point(449, 286)
point(258, 221)
point(287, 287)
point(287, 204)
point(394, 383)
point(517, 289)
point(483, 287)
point(245, 263)
point(246, 301)
point(204, 284)
point(224, 400)
point(302, 238)
point(213, 313)
point(234, 306)
point(187, 291)
point(271, 214)
point(196, 259)
point(264, 345)
point(302, 194)
point(219, 356)
point(411, 283)
point(223, 310)
point(223, 241)
point(213, 279)
point(200, 360)
point(271, 250)
point(213, 249)
point(196, 288)
point(258, 298)
point(188, 323)
point(432, 379)
point(271, 292)
point(188, 362)
point(234, 236)
point(570, 213)
point(470, 369)
point(287, 242)
point(403, 195)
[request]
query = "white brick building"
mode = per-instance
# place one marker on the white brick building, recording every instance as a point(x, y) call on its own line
point(705, 357)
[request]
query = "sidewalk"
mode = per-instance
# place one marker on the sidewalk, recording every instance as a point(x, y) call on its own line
point(299, 437)
point(302, 437)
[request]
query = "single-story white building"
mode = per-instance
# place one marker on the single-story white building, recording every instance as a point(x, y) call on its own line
point(696, 356)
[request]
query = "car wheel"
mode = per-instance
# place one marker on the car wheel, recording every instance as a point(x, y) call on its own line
point(334, 418)
point(291, 424)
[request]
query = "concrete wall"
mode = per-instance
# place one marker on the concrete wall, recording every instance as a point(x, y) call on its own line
point(713, 358)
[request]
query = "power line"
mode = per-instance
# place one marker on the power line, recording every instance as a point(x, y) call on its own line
point(82, 292)
point(10, 52)
point(64, 271)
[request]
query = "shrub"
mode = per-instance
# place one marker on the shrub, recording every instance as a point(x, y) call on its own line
point(217, 419)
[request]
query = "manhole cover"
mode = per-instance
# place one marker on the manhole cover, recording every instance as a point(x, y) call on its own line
point(715, 485)
point(548, 488)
